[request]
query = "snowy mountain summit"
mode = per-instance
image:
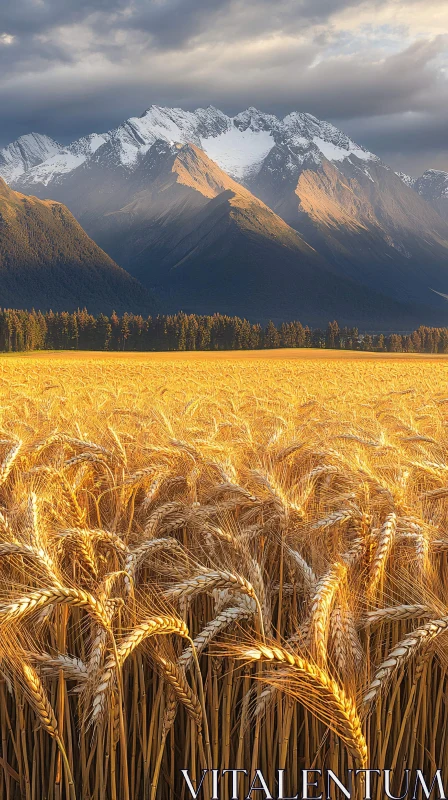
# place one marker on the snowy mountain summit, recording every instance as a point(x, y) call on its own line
point(25, 153)
point(239, 144)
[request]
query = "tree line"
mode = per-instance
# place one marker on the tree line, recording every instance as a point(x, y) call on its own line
point(33, 330)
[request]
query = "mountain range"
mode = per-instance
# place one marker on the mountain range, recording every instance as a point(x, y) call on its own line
point(250, 215)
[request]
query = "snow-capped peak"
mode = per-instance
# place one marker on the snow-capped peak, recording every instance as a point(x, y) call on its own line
point(235, 143)
point(24, 153)
point(64, 160)
point(333, 144)
point(239, 144)
point(256, 121)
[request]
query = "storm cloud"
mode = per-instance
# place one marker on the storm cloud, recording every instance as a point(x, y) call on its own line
point(377, 69)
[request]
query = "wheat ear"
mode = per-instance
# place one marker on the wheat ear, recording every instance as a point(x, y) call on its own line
point(73, 668)
point(393, 613)
point(39, 555)
point(320, 693)
point(213, 629)
point(305, 571)
point(136, 557)
point(175, 676)
point(44, 710)
point(97, 534)
point(159, 515)
point(404, 650)
point(321, 607)
point(56, 595)
point(209, 580)
point(9, 461)
point(151, 627)
point(40, 700)
point(384, 546)
point(347, 647)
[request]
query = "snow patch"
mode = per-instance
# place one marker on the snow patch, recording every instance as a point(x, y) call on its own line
point(334, 152)
point(300, 141)
point(128, 153)
point(237, 151)
point(54, 167)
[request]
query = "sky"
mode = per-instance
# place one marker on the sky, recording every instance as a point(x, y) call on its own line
point(376, 69)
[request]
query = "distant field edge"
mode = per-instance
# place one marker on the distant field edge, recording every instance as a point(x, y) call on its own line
point(283, 353)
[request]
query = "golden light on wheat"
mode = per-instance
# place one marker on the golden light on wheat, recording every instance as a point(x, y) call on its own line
point(214, 563)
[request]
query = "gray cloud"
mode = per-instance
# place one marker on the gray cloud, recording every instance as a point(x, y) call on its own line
point(174, 22)
point(374, 68)
point(411, 142)
point(37, 16)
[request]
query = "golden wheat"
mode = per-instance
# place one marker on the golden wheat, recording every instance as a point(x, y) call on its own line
point(213, 560)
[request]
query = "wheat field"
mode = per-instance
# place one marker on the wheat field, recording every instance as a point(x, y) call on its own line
point(220, 562)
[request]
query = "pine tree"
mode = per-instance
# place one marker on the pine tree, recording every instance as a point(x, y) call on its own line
point(271, 336)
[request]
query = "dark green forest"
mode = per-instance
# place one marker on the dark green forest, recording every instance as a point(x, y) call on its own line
point(22, 331)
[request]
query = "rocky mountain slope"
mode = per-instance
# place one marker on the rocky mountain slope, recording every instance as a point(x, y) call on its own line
point(48, 261)
point(202, 242)
point(432, 186)
point(363, 219)
point(367, 227)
